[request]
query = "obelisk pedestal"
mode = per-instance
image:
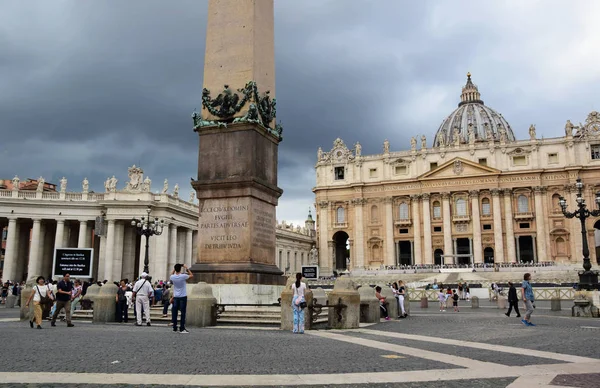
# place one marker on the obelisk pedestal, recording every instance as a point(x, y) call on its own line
point(237, 159)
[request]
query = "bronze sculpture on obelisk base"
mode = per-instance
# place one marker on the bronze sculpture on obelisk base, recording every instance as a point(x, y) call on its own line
point(237, 159)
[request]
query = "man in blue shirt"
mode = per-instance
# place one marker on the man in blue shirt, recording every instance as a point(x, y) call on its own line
point(179, 297)
point(528, 298)
point(63, 300)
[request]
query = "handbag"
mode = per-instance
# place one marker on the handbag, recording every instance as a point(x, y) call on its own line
point(303, 304)
point(45, 300)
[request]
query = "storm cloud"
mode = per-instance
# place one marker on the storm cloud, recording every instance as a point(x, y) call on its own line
point(90, 88)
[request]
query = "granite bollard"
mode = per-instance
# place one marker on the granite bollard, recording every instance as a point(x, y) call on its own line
point(10, 301)
point(369, 305)
point(475, 302)
point(392, 301)
point(201, 307)
point(344, 291)
point(502, 302)
point(555, 303)
point(105, 304)
point(287, 314)
point(424, 302)
point(27, 312)
point(91, 292)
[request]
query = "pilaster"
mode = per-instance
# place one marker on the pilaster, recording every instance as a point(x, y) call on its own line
point(189, 234)
point(416, 215)
point(477, 247)
point(10, 254)
point(34, 266)
point(323, 227)
point(539, 225)
point(511, 252)
point(447, 220)
point(428, 249)
point(390, 258)
point(109, 255)
point(82, 234)
point(359, 232)
point(498, 241)
point(118, 251)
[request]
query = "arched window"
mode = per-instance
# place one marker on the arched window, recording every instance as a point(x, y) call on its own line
point(522, 204)
point(555, 204)
point(437, 210)
point(403, 211)
point(485, 207)
point(340, 216)
point(461, 207)
point(561, 246)
point(376, 253)
point(374, 213)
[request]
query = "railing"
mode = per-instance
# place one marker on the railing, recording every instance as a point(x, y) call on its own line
point(406, 222)
point(95, 197)
point(73, 196)
point(27, 194)
point(50, 195)
point(457, 218)
point(541, 293)
point(6, 193)
point(524, 216)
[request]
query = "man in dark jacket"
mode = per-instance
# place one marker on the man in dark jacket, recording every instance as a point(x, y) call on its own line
point(513, 301)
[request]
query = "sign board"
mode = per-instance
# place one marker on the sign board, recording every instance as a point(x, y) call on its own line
point(77, 262)
point(310, 272)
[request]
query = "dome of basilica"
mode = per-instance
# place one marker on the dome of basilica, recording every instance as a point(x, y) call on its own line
point(472, 118)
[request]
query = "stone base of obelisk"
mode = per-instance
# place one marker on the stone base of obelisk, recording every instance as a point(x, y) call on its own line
point(237, 192)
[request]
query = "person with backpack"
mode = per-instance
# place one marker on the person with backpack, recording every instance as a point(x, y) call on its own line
point(298, 304)
point(41, 296)
point(455, 301)
point(401, 294)
point(142, 290)
point(528, 298)
point(513, 301)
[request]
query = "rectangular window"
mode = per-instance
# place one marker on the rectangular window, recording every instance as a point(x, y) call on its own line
point(437, 228)
point(372, 173)
point(487, 227)
point(483, 161)
point(433, 165)
point(403, 231)
point(339, 173)
point(524, 225)
point(595, 152)
point(437, 211)
point(552, 158)
point(519, 160)
point(485, 208)
point(401, 170)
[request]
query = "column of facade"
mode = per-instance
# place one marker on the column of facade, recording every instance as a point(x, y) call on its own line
point(59, 236)
point(9, 271)
point(194, 247)
point(82, 234)
point(323, 228)
point(173, 259)
point(390, 258)
point(34, 266)
point(22, 251)
point(498, 242)
point(142, 257)
point(447, 219)
point(416, 215)
point(539, 225)
point(511, 253)
point(117, 270)
point(189, 246)
point(477, 247)
point(47, 259)
point(160, 256)
point(359, 233)
point(129, 242)
point(109, 254)
point(427, 247)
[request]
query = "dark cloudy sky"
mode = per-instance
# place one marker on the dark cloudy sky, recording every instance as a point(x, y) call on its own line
point(88, 88)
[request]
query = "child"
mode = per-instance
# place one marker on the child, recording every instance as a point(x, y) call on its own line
point(455, 301)
point(382, 302)
point(442, 299)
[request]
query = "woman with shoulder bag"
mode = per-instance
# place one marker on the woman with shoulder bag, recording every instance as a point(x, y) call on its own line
point(41, 297)
point(298, 304)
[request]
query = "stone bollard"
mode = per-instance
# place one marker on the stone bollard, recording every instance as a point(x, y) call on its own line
point(344, 291)
point(91, 292)
point(555, 303)
point(319, 295)
point(502, 302)
point(105, 304)
point(27, 312)
point(287, 313)
point(424, 302)
point(392, 305)
point(369, 305)
point(201, 306)
point(449, 302)
point(407, 304)
point(475, 302)
point(10, 301)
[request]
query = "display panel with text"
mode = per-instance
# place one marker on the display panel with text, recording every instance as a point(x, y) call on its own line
point(77, 262)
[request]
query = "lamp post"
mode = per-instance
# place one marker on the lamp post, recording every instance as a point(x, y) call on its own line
point(148, 227)
point(588, 279)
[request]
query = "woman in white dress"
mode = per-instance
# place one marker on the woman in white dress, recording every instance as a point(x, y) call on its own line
point(39, 290)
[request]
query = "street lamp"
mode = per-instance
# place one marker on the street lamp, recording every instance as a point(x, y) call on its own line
point(148, 227)
point(588, 279)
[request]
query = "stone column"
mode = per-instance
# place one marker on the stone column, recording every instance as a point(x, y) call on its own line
point(128, 266)
point(109, 255)
point(10, 254)
point(359, 233)
point(160, 257)
point(323, 228)
point(575, 227)
point(416, 215)
point(427, 248)
point(498, 242)
point(34, 267)
point(389, 232)
point(477, 247)
point(331, 250)
point(539, 225)
point(447, 219)
point(117, 270)
point(511, 253)
point(189, 240)
point(142, 257)
point(173, 259)
point(59, 237)
point(82, 234)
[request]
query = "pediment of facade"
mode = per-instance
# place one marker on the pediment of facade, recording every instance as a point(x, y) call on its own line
point(459, 167)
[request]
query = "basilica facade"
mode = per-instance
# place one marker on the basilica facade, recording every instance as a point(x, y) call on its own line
point(475, 194)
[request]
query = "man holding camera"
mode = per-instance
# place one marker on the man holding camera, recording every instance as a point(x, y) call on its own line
point(179, 298)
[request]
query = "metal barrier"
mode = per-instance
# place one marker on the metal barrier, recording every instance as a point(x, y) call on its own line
point(220, 307)
point(563, 293)
point(316, 308)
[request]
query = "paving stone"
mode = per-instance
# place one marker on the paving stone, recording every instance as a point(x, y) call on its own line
point(588, 380)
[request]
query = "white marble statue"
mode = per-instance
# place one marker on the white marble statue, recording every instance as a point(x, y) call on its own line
point(413, 143)
point(147, 184)
point(357, 149)
point(423, 142)
point(85, 185)
point(471, 132)
point(176, 191)
point(40, 186)
point(569, 128)
point(314, 256)
point(165, 189)
point(456, 136)
point(16, 182)
point(319, 154)
point(135, 178)
point(107, 185)
point(113, 184)
point(386, 147)
point(63, 185)
point(488, 133)
point(532, 131)
point(192, 196)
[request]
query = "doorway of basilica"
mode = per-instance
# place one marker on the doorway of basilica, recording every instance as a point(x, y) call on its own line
point(342, 252)
point(405, 253)
point(488, 255)
point(525, 249)
point(437, 256)
point(463, 247)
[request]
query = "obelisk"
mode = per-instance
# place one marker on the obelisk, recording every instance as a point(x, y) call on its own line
point(237, 159)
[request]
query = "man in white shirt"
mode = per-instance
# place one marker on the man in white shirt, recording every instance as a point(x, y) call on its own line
point(141, 293)
point(179, 297)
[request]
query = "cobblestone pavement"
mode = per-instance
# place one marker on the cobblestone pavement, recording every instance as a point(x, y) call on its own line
point(477, 348)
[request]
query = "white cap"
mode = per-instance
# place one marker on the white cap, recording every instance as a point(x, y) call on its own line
point(144, 275)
